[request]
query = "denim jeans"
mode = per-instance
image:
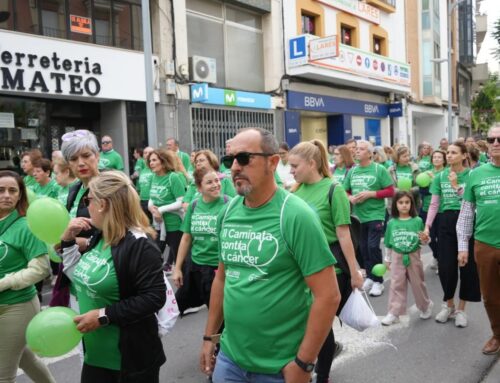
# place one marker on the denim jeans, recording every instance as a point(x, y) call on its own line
point(228, 371)
point(369, 245)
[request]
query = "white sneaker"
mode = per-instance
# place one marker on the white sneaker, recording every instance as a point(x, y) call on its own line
point(377, 289)
point(427, 313)
point(390, 319)
point(434, 264)
point(368, 284)
point(460, 318)
point(445, 313)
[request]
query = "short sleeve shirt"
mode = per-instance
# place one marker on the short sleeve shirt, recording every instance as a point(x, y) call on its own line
point(164, 191)
point(110, 160)
point(402, 234)
point(441, 186)
point(144, 183)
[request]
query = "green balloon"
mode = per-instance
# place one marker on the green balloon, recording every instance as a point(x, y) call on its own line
point(47, 219)
point(31, 196)
point(52, 332)
point(423, 180)
point(53, 256)
point(404, 184)
point(379, 270)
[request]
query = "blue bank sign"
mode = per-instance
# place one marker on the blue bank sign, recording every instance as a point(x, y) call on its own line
point(328, 104)
point(204, 94)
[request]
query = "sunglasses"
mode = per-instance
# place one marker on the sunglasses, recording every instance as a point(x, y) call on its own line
point(243, 158)
point(105, 142)
point(491, 140)
point(86, 200)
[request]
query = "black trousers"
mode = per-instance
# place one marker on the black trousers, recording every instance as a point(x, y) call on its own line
point(144, 207)
point(197, 285)
point(173, 241)
point(448, 262)
point(92, 374)
point(325, 356)
point(369, 246)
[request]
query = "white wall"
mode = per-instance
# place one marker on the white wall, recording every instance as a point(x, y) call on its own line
point(114, 124)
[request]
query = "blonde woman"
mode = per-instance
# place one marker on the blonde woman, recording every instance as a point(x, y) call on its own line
point(310, 168)
point(119, 283)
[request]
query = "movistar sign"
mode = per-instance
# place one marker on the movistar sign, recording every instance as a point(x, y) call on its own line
point(202, 93)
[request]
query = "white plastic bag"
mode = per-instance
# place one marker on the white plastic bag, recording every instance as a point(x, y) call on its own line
point(358, 313)
point(168, 314)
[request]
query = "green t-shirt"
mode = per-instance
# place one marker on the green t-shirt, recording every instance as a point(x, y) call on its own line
point(50, 189)
point(267, 252)
point(30, 182)
point(368, 178)
point(110, 160)
point(331, 215)
point(404, 172)
point(202, 225)
point(483, 158)
point(62, 195)
point(401, 235)
point(74, 209)
point(144, 183)
point(425, 164)
point(186, 161)
point(441, 186)
point(387, 164)
point(226, 188)
point(139, 165)
point(18, 246)
point(426, 201)
point(164, 191)
point(225, 170)
point(278, 179)
point(483, 189)
point(96, 285)
point(339, 174)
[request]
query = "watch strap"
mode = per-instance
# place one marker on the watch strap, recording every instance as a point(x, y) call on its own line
point(307, 367)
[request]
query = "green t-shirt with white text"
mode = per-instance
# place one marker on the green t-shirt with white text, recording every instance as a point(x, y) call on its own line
point(441, 186)
point(404, 172)
point(94, 279)
point(368, 178)
point(483, 189)
point(401, 235)
point(425, 164)
point(164, 191)
point(144, 183)
point(267, 252)
point(110, 160)
point(339, 174)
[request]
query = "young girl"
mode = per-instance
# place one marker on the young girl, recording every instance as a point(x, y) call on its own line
point(402, 240)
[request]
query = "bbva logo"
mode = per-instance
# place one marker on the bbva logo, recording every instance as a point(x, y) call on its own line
point(314, 102)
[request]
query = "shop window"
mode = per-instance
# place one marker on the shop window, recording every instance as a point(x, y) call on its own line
point(346, 35)
point(53, 18)
point(308, 24)
point(377, 45)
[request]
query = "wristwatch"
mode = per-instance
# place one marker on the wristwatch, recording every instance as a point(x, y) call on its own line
point(307, 367)
point(103, 318)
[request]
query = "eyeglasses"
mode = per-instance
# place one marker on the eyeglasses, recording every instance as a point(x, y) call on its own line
point(87, 200)
point(243, 158)
point(491, 140)
point(106, 142)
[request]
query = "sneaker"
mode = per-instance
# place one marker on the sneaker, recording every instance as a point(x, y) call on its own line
point(445, 313)
point(193, 310)
point(434, 264)
point(368, 284)
point(390, 319)
point(377, 289)
point(427, 313)
point(460, 319)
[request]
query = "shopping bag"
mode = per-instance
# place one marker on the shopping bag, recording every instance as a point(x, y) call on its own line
point(168, 314)
point(358, 313)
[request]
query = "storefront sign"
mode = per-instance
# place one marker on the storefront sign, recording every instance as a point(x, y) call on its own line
point(396, 110)
point(328, 104)
point(202, 93)
point(298, 51)
point(323, 48)
point(39, 66)
point(80, 24)
point(7, 120)
point(356, 8)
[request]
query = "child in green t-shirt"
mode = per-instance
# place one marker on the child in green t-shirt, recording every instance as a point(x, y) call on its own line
point(402, 239)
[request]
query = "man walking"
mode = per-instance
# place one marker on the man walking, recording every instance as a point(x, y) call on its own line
point(275, 278)
point(173, 145)
point(109, 159)
point(482, 195)
point(368, 184)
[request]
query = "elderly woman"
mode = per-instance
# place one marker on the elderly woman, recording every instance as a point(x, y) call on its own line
point(119, 283)
point(23, 262)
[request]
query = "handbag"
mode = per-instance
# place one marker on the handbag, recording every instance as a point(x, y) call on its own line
point(167, 316)
point(358, 312)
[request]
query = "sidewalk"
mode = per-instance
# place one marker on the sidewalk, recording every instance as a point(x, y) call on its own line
point(493, 375)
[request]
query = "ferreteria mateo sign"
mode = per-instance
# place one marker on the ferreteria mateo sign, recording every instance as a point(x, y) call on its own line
point(202, 93)
point(43, 66)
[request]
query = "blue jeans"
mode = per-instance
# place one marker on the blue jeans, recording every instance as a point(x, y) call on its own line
point(369, 245)
point(228, 371)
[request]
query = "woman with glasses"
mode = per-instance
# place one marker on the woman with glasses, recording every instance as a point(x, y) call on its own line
point(23, 263)
point(342, 163)
point(309, 163)
point(447, 190)
point(119, 284)
point(165, 202)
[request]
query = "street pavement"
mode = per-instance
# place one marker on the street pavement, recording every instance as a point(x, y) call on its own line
point(412, 351)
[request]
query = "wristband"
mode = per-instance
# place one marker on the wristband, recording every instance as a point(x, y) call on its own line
point(207, 338)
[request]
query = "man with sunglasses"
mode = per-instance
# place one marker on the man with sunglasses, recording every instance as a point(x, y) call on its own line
point(275, 277)
point(482, 197)
point(109, 159)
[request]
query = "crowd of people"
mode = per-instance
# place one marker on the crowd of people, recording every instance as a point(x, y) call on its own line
point(263, 238)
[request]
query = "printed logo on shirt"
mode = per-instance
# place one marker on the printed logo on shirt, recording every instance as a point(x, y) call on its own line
point(203, 224)
point(404, 239)
point(91, 271)
point(489, 190)
point(242, 246)
point(3, 251)
point(103, 162)
point(448, 192)
point(362, 182)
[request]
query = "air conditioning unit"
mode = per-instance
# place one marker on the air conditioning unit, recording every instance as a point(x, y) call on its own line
point(203, 69)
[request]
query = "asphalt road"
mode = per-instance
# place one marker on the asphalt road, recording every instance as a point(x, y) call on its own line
point(413, 351)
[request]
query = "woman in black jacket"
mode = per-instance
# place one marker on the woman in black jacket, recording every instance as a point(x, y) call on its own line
point(119, 284)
